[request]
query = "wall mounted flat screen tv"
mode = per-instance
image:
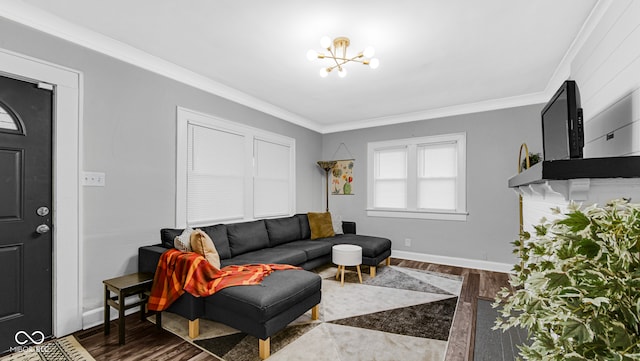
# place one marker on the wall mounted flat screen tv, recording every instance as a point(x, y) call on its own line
point(562, 128)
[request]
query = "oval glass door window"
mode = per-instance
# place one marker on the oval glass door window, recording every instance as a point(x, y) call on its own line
point(6, 120)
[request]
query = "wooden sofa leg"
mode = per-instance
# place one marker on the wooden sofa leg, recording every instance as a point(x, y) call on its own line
point(372, 271)
point(388, 261)
point(264, 348)
point(194, 328)
point(315, 312)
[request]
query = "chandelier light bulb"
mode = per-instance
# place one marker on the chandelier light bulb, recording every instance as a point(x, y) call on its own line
point(369, 51)
point(325, 42)
point(323, 73)
point(374, 63)
point(312, 55)
point(342, 72)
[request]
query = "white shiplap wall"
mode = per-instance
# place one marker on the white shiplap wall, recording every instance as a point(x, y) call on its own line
point(607, 71)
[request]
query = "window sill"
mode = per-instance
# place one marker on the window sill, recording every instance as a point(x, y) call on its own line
point(396, 213)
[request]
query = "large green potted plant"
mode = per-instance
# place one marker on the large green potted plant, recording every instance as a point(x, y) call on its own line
point(577, 289)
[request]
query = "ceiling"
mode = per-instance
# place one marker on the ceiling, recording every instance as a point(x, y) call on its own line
point(437, 57)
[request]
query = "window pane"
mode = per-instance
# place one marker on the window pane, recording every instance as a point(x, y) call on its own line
point(272, 160)
point(271, 197)
point(391, 164)
point(214, 198)
point(6, 121)
point(271, 190)
point(216, 152)
point(437, 194)
point(438, 160)
point(390, 194)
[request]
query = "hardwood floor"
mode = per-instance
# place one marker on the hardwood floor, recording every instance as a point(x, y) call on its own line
point(145, 342)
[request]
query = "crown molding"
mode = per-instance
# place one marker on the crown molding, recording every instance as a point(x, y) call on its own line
point(39, 19)
point(563, 70)
point(477, 107)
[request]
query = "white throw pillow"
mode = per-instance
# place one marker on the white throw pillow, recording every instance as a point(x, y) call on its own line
point(183, 241)
point(337, 223)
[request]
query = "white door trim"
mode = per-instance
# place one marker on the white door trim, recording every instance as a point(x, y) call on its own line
point(67, 250)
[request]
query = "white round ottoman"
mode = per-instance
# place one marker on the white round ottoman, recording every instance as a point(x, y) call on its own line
point(346, 255)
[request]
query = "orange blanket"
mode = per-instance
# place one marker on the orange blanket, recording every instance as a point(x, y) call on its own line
point(178, 272)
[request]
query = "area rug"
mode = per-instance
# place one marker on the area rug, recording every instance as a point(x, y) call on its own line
point(401, 314)
point(491, 345)
point(62, 349)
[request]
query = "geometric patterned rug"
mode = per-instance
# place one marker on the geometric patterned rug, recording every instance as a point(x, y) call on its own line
point(401, 314)
point(60, 349)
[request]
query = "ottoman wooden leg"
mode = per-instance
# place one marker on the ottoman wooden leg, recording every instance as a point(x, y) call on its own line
point(264, 348)
point(315, 312)
point(194, 328)
point(388, 261)
point(372, 271)
point(359, 273)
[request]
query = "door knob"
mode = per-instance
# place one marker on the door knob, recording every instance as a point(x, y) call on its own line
point(42, 229)
point(42, 211)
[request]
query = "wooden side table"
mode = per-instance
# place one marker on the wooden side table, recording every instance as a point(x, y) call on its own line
point(124, 286)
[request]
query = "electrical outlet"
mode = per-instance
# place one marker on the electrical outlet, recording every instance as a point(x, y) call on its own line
point(407, 242)
point(93, 179)
point(484, 255)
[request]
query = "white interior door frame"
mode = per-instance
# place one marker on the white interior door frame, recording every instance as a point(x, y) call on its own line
point(67, 250)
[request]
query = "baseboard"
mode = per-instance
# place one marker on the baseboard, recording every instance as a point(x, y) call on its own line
point(454, 261)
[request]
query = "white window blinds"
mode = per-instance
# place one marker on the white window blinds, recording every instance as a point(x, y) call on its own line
point(418, 177)
point(230, 172)
point(271, 179)
point(390, 179)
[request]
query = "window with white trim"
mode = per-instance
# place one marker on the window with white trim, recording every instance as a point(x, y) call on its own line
point(229, 172)
point(418, 177)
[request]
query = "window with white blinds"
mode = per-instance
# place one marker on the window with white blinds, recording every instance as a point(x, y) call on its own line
point(390, 178)
point(230, 172)
point(418, 178)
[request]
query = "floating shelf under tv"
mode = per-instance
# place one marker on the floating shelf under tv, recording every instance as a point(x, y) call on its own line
point(566, 169)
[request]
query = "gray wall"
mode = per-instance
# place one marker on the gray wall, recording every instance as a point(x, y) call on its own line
point(129, 132)
point(493, 141)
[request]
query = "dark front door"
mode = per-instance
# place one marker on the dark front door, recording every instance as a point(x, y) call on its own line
point(25, 213)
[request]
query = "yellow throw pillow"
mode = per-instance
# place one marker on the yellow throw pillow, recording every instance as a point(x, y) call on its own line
point(321, 225)
point(202, 244)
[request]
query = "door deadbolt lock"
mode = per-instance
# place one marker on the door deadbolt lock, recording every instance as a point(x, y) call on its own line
point(42, 229)
point(42, 211)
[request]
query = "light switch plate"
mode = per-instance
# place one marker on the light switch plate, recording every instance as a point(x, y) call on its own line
point(93, 179)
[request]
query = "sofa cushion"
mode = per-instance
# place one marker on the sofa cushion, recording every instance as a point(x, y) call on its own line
point(320, 224)
point(371, 246)
point(282, 230)
point(277, 293)
point(305, 231)
point(268, 255)
point(183, 241)
point(247, 236)
point(202, 244)
point(313, 249)
point(167, 235)
point(218, 234)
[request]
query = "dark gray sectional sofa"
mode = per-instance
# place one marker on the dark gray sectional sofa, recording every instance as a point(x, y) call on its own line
point(285, 295)
point(279, 240)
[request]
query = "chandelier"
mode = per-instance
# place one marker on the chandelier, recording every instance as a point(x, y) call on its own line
point(338, 56)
